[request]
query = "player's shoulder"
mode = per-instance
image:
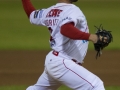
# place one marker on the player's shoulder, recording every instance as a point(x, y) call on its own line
point(66, 8)
point(74, 10)
point(63, 6)
point(76, 7)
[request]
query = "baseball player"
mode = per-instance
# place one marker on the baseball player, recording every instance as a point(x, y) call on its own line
point(69, 42)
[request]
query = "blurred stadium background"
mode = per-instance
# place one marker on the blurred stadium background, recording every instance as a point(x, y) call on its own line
point(23, 46)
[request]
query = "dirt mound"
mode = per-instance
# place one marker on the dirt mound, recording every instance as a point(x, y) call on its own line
point(24, 67)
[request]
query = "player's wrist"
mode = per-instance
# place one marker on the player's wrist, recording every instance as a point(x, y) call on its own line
point(93, 38)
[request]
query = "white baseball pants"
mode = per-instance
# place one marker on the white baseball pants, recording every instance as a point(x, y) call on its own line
point(60, 71)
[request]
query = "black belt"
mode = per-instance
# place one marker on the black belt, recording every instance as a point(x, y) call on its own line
point(57, 53)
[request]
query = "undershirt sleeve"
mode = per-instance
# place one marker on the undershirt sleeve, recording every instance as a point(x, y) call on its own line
point(28, 7)
point(72, 32)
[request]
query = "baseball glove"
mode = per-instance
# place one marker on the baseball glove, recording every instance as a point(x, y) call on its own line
point(104, 38)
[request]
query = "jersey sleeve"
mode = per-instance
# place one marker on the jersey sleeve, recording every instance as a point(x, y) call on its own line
point(71, 15)
point(36, 17)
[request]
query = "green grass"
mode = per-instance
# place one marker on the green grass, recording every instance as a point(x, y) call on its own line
point(61, 88)
point(17, 33)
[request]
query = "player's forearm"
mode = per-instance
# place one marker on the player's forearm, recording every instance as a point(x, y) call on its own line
point(70, 31)
point(28, 7)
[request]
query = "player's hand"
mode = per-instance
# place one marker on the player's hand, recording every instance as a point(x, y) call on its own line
point(94, 38)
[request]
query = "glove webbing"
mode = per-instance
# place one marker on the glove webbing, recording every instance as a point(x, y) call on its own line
point(98, 54)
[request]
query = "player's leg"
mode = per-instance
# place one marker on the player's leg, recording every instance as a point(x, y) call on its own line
point(71, 74)
point(45, 82)
point(79, 78)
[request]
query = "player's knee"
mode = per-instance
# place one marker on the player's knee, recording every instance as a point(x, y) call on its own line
point(34, 87)
point(99, 85)
point(31, 88)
